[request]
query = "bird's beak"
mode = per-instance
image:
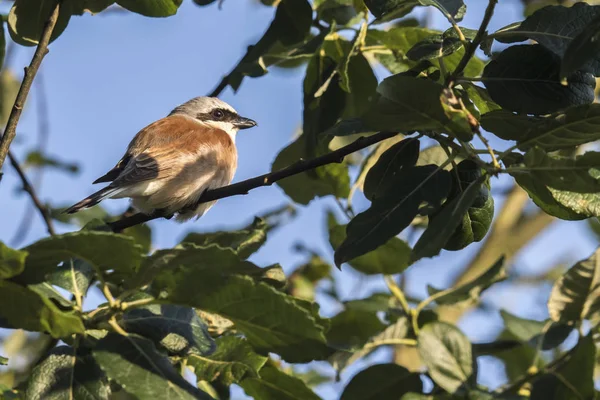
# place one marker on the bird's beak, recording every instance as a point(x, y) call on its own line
point(244, 123)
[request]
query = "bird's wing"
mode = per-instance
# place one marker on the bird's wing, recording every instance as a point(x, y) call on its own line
point(153, 163)
point(116, 171)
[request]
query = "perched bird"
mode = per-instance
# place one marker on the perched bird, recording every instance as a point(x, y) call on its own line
point(171, 162)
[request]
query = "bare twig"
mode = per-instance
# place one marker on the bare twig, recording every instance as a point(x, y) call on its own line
point(263, 180)
point(30, 72)
point(27, 187)
point(472, 47)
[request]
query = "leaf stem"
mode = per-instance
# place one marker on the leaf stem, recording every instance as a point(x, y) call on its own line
point(398, 294)
point(115, 325)
point(137, 303)
point(76, 291)
point(489, 149)
point(472, 47)
point(30, 72)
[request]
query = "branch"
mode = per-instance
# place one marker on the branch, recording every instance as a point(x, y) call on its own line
point(31, 191)
point(263, 180)
point(470, 50)
point(42, 49)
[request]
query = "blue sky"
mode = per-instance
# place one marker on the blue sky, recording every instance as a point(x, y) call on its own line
point(110, 75)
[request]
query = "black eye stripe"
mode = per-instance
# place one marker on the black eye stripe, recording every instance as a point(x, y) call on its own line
point(228, 116)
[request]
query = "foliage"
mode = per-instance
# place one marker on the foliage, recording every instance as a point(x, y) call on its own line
point(204, 307)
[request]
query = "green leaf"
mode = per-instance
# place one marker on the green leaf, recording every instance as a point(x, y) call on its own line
point(151, 8)
point(481, 98)
point(104, 251)
point(63, 375)
point(134, 363)
point(27, 19)
point(471, 290)
point(38, 160)
point(352, 328)
point(407, 103)
point(9, 87)
point(446, 352)
point(380, 176)
point(557, 28)
point(525, 79)
point(382, 382)
point(551, 334)
point(63, 276)
point(561, 186)
point(571, 295)
point(362, 86)
point(443, 226)
point(345, 62)
point(394, 210)
point(390, 9)
point(25, 309)
point(292, 22)
point(563, 130)
point(233, 361)
point(583, 51)
point(2, 45)
point(91, 6)
point(244, 242)
point(275, 384)
point(271, 321)
point(174, 328)
point(331, 179)
point(342, 12)
point(392, 257)
point(437, 46)
point(3, 360)
point(12, 262)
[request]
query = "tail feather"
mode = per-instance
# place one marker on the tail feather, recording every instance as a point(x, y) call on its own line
point(93, 199)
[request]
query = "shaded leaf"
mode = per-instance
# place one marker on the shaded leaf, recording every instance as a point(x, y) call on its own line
point(103, 250)
point(12, 262)
point(481, 98)
point(151, 8)
point(27, 19)
point(583, 51)
point(270, 320)
point(341, 11)
point(394, 211)
point(551, 334)
point(244, 242)
point(392, 257)
point(233, 360)
point(134, 363)
point(63, 375)
point(566, 129)
point(72, 270)
point(274, 384)
point(390, 9)
point(352, 328)
point(525, 79)
point(446, 352)
point(27, 310)
point(382, 382)
point(437, 46)
point(175, 328)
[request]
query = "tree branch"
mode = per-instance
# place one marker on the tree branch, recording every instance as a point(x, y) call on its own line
point(263, 180)
point(42, 49)
point(471, 48)
point(28, 187)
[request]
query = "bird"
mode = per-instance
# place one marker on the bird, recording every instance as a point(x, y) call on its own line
point(170, 163)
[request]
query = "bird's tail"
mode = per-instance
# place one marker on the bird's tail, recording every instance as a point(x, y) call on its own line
point(93, 199)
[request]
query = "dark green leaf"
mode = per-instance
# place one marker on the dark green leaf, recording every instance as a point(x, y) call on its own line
point(362, 86)
point(352, 328)
point(270, 320)
point(437, 46)
point(394, 211)
point(103, 250)
point(331, 179)
point(382, 382)
point(392, 257)
point(566, 129)
point(25, 309)
point(341, 12)
point(517, 360)
point(571, 295)
point(481, 98)
point(381, 175)
point(134, 363)
point(583, 51)
point(63, 375)
point(562, 186)
point(472, 289)
point(274, 384)
point(12, 262)
point(233, 360)
point(72, 271)
point(446, 352)
point(38, 160)
point(175, 328)
point(406, 103)
point(91, 6)
point(525, 79)
point(292, 21)
point(27, 19)
point(443, 226)
point(556, 28)
point(244, 242)
point(390, 9)
point(551, 334)
point(151, 8)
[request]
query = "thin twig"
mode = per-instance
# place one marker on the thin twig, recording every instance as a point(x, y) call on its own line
point(27, 187)
point(30, 72)
point(472, 47)
point(263, 180)
point(398, 294)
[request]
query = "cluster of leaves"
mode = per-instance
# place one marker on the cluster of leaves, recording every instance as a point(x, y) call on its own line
point(202, 306)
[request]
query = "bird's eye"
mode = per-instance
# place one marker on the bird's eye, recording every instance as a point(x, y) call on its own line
point(217, 114)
